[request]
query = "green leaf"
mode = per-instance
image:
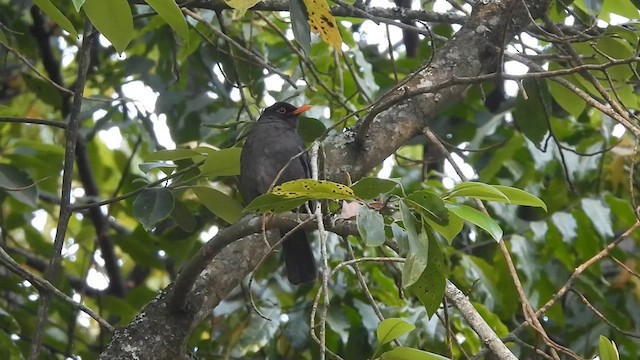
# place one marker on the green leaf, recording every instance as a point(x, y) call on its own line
point(479, 191)
point(274, 204)
point(371, 226)
point(300, 25)
point(56, 15)
point(566, 98)
point(407, 353)
point(170, 12)
point(429, 287)
point(521, 197)
point(219, 203)
point(450, 230)
point(18, 184)
point(369, 187)
point(3, 38)
point(608, 349)
point(417, 245)
point(9, 348)
point(310, 129)
point(476, 217)
point(113, 19)
point(171, 155)
point(621, 7)
point(225, 162)
point(400, 236)
point(7, 321)
point(391, 329)
point(183, 217)
point(314, 189)
point(498, 160)
point(162, 166)
point(529, 113)
point(616, 49)
point(153, 205)
point(429, 205)
point(78, 4)
point(43, 90)
point(491, 319)
point(414, 267)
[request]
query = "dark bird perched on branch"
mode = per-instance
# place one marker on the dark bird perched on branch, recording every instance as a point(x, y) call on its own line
point(270, 146)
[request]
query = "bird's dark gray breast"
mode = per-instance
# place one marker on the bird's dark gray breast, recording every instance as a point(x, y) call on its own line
point(267, 150)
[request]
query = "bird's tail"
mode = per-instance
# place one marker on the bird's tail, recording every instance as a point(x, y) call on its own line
point(298, 258)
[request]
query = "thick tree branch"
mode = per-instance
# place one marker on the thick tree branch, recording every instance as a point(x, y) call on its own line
point(160, 332)
point(396, 118)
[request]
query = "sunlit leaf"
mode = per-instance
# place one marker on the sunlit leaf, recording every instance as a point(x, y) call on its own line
point(219, 203)
point(225, 162)
point(476, 217)
point(113, 19)
point(520, 197)
point(314, 189)
point(566, 98)
point(479, 191)
point(449, 231)
point(56, 15)
point(407, 353)
point(162, 166)
point(391, 329)
point(242, 5)
point(170, 12)
point(77, 4)
point(608, 349)
point(323, 23)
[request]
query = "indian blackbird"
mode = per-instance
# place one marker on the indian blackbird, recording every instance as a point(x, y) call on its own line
point(270, 145)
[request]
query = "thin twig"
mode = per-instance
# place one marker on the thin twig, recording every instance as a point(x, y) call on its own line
point(254, 57)
point(67, 178)
point(45, 286)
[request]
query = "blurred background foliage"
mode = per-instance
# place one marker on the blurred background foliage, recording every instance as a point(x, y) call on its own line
point(165, 91)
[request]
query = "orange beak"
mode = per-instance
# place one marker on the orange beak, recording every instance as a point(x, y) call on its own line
point(301, 109)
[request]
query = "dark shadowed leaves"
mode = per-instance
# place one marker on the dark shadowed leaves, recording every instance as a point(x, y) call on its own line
point(153, 205)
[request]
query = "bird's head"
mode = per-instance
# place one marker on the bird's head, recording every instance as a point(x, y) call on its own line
point(285, 112)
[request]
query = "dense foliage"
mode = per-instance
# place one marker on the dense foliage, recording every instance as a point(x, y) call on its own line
point(119, 157)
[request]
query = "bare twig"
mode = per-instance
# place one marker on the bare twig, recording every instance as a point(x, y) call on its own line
point(67, 177)
point(45, 286)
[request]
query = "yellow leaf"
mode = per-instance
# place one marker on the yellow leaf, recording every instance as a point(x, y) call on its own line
point(323, 23)
point(242, 5)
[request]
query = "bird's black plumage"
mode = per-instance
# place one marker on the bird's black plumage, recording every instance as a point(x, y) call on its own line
point(270, 145)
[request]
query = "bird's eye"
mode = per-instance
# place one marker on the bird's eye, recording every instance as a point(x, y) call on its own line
point(281, 110)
